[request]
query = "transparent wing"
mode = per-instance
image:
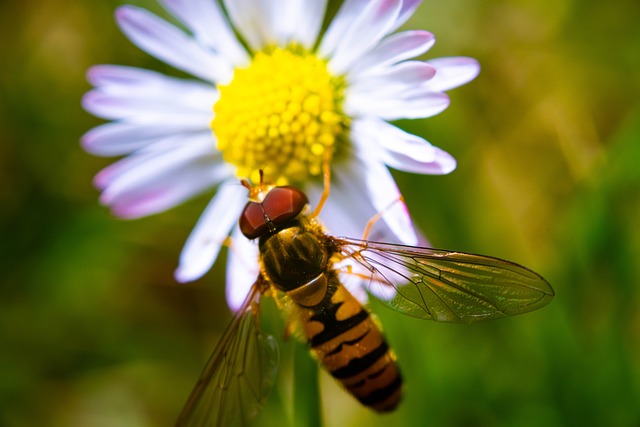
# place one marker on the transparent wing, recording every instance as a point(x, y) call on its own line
point(446, 286)
point(238, 377)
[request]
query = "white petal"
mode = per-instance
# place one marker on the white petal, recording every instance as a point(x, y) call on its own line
point(453, 72)
point(142, 185)
point(295, 20)
point(442, 164)
point(253, 19)
point(145, 96)
point(278, 20)
point(171, 45)
point(347, 214)
point(408, 8)
point(169, 191)
point(393, 49)
point(383, 291)
point(360, 192)
point(364, 33)
point(393, 139)
point(340, 25)
point(118, 138)
point(349, 207)
point(386, 198)
point(393, 79)
point(308, 21)
point(209, 25)
point(138, 82)
point(401, 150)
point(347, 211)
point(203, 245)
point(419, 102)
point(351, 280)
point(145, 110)
point(242, 268)
point(165, 154)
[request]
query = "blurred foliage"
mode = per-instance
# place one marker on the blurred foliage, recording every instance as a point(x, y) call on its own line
point(95, 332)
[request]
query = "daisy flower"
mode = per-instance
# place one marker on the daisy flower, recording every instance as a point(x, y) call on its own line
point(270, 91)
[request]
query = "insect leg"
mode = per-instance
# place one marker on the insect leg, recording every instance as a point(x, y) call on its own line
point(326, 179)
point(376, 217)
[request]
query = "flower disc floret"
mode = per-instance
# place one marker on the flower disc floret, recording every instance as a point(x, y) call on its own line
point(281, 114)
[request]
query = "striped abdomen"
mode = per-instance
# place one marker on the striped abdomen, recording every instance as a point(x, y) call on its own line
point(351, 347)
point(340, 332)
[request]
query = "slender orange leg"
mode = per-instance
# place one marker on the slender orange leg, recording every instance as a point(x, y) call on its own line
point(348, 269)
point(377, 217)
point(228, 242)
point(326, 177)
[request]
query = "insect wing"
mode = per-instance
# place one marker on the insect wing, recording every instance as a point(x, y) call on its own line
point(238, 377)
point(447, 286)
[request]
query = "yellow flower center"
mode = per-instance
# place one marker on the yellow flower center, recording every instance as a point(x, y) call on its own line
point(282, 114)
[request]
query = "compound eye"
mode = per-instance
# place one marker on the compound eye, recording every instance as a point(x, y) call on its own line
point(252, 222)
point(284, 203)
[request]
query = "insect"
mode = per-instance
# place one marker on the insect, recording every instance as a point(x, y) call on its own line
point(300, 265)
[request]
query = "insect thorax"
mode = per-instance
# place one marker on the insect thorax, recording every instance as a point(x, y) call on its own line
point(293, 256)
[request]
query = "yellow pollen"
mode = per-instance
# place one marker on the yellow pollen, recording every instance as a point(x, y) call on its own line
point(281, 114)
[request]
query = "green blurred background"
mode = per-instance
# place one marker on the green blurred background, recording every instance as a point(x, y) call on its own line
point(95, 332)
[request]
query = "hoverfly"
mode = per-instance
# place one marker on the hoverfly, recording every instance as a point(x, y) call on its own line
point(299, 265)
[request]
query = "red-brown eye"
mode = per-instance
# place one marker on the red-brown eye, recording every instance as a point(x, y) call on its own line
point(283, 204)
point(253, 223)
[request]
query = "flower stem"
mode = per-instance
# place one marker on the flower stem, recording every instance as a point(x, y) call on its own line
point(306, 400)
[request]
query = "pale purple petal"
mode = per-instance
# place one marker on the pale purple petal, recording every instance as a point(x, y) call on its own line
point(393, 49)
point(442, 164)
point(393, 79)
point(142, 83)
point(209, 25)
point(419, 102)
point(382, 290)
point(159, 156)
point(370, 180)
point(134, 189)
point(242, 268)
point(348, 272)
point(400, 150)
point(204, 243)
point(171, 45)
point(391, 138)
point(408, 8)
point(119, 138)
point(144, 96)
point(364, 33)
point(169, 191)
point(346, 214)
point(145, 110)
point(350, 209)
point(386, 198)
point(453, 72)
